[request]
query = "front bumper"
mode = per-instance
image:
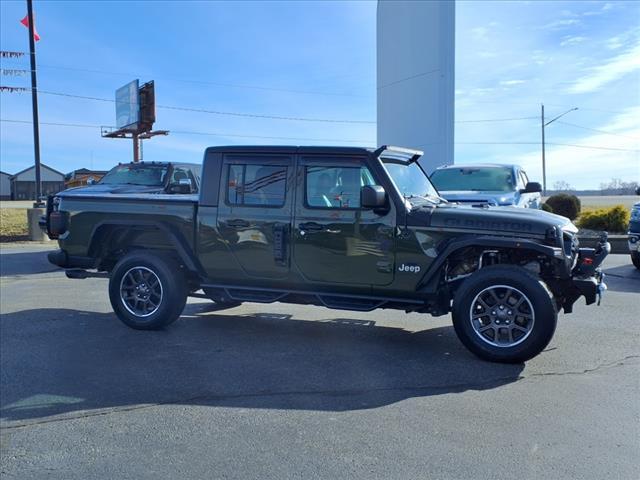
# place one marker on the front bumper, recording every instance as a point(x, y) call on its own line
point(587, 278)
point(634, 241)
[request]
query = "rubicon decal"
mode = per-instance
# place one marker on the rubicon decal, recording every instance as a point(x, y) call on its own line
point(409, 267)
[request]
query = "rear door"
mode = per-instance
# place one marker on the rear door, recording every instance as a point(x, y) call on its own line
point(335, 240)
point(255, 211)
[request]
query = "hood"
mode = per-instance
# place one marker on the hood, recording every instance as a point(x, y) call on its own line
point(498, 220)
point(101, 188)
point(468, 196)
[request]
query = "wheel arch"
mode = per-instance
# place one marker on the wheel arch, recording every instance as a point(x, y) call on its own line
point(109, 237)
point(430, 280)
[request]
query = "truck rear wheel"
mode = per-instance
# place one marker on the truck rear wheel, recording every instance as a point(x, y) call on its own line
point(147, 291)
point(635, 259)
point(504, 314)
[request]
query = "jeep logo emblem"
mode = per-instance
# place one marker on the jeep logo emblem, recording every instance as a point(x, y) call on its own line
point(409, 267)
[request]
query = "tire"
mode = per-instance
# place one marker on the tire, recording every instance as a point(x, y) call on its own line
point(147, 290)
point(635, 259)
point(514, 314)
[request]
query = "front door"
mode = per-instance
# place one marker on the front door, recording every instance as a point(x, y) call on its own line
point(335, 240)
point(255, 212)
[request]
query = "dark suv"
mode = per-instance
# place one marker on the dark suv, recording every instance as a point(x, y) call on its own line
point(339, 227)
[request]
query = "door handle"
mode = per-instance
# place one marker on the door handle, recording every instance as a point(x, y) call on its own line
point(309, 227)
point(238, 223)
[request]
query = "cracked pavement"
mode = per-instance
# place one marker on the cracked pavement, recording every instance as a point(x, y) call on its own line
point(280, 391)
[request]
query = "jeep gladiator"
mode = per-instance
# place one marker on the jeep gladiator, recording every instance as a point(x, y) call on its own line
point(340, 227)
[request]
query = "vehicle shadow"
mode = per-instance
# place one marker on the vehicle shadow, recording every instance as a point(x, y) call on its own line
point(624, 278)
point(25, 263)
point(58, 361)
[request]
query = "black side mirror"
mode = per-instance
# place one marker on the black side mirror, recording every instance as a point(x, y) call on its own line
point(637, 190)
point(532, 187)
point(373, 196)
point(183, 186)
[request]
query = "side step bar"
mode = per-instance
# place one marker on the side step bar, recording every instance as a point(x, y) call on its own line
point(80, 274)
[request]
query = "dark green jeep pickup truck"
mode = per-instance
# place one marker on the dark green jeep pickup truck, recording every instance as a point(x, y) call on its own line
point(340, 227)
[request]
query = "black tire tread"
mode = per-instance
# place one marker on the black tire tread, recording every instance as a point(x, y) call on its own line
point(543, 300)
point(174, 289)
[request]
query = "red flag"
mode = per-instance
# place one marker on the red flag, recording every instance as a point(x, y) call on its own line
point(25, 22)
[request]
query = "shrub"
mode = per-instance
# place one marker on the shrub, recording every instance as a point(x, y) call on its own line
point(612, 219)
point(546, 208)
point(564, 204)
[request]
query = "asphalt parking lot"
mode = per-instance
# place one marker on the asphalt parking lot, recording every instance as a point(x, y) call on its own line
point(280, 391)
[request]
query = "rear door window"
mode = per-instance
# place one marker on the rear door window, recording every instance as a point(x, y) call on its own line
point(256, 185)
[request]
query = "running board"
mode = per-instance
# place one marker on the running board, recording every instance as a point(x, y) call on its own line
point(80, 274)
point(361, 303)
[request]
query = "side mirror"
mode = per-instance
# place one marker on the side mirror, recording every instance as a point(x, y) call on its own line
point(183, 186)
point(532, 187)
point(91, 181)
point(637, 190)
point(373, 196)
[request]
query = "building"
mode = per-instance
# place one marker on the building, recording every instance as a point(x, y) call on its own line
point(23, 183)
point(81, 177)
point(415, 77)
point(5, 186)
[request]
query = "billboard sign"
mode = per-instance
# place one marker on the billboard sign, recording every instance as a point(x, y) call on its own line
point(128, 105)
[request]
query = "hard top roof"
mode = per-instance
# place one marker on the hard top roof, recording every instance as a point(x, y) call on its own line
point(479, 165)
point(332, 150)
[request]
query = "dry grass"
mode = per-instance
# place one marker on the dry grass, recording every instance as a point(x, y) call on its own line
point(13, 224)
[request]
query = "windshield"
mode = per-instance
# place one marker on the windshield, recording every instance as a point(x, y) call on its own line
point(492, 179)
point(410, 179)
point(140, 174)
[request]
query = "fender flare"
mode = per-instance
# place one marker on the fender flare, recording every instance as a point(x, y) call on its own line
point(183, 249)
point(427, 284)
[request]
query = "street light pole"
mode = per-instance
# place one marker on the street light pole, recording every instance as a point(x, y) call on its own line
point(544, 166)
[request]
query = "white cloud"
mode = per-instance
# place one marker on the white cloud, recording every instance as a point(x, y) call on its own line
point(561, 24)
point(569, 40)
point(510, 83)
point(613, 69)
point(604, 9)
point(480, 33)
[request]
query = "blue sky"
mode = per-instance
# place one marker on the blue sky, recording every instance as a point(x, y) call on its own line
point(318, 60)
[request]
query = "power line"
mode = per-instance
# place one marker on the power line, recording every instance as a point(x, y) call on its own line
point(207, 82)
point(598, 131)
point(408, 78)
point(187, 132)
point(362, 142)
point(266, 116)
point(594, 147)
point(483, 120)
point(220, 112)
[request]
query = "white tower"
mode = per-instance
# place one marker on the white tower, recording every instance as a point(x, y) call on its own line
point(416, 60)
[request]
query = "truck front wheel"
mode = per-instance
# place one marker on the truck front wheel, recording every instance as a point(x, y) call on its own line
point(504, 314)
point(147, 291)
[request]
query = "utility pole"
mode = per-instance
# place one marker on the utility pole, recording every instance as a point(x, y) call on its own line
point(34, 104)
point(544, 166)
point(136, 148)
